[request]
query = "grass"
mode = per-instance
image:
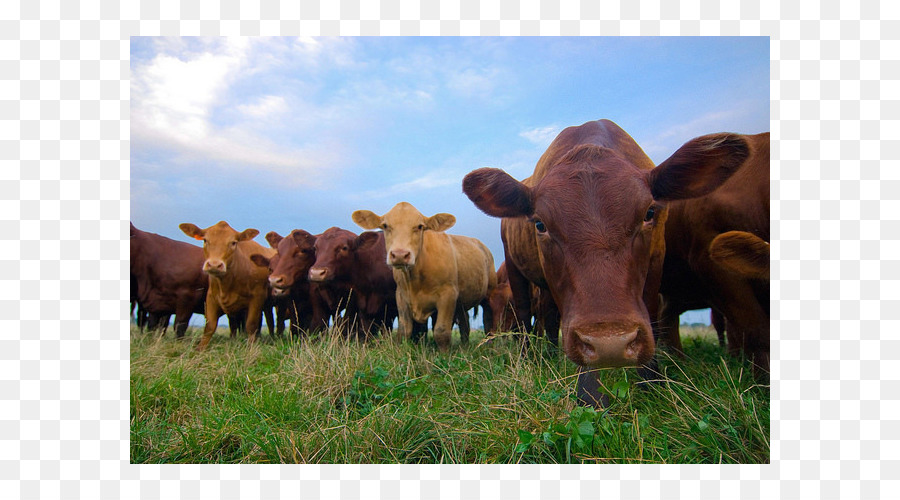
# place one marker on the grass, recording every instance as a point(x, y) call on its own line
point(327, 400)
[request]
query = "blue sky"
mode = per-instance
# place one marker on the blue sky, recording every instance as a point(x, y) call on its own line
point(297, 133)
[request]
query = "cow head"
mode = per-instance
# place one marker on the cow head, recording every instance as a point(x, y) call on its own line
point(404, 229)
point(292, 260)
point(336, 253)
point(595, 218)
point(219, 245)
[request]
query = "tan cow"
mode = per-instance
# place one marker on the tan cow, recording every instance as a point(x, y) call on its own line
point(434, 271)
point(236, 284)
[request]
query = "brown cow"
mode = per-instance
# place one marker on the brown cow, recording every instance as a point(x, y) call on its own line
point(433, 270)
point(691, 271)
point(288, 270)
point(235, 283)
point(358, 263)
point(588, 226)
point(166, 278)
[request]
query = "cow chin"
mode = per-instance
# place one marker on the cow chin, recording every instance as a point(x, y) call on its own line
point(608, 346)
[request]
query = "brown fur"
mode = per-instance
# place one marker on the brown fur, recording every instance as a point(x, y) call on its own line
point(692, 275)
point(601, 261)
point(166, 277)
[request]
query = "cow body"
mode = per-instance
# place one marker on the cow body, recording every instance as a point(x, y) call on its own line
point(717, 252)
point(288, 269)
point(345, 260)
point(589, 227)
point(236, 284)
point(433, 270)
point(166, 278)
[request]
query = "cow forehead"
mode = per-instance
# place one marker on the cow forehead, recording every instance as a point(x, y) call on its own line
point(404, 215)
point(220, 232)
point(334, 236)
point(609, 188)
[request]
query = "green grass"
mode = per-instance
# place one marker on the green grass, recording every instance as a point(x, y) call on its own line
point(327, 400)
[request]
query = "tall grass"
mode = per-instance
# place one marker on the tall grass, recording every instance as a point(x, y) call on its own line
point(327, 400)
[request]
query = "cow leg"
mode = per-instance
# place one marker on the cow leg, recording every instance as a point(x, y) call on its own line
point(270, 320)
point(213, 312)
point(550, 315)
point(521, 292)
point(588, 389)
point(462, 319)
point(718, 322)
point(487, 315)
point(669, 311)
point(182, 316)
point(254, 319)
point(446, 307)
point(405, 321)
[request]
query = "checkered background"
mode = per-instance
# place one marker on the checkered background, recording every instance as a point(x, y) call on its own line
point(64, 163)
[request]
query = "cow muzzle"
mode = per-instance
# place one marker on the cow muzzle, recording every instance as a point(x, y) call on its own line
point(400, 258)
point(319, 274)
point(214, 267)
point(608, 347)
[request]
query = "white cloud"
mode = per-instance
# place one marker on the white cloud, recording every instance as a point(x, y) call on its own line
point(175, 94)
point(431, 180)
point(542, 136)
point(264, 107)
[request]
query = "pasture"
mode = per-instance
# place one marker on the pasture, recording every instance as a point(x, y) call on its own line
point(326, 400)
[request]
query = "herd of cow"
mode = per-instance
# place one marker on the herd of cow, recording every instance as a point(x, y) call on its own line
point(599, 244)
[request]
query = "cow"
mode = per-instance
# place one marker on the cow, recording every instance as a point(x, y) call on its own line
point(288, 269)
point(589, 227)
point(707, 235)
point(166, 278)
point(358, 262)
point(434, 271)
point(236, 283)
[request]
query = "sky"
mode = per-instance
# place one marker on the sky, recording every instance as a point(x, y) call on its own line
point(278, 133)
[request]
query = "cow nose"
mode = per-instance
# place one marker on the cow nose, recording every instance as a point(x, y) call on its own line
point(317, 273)
point(276, 281)
point(214, 266)
point(607, 350)
point(400, 257)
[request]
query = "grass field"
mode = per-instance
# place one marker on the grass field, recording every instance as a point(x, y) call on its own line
point(326, 400)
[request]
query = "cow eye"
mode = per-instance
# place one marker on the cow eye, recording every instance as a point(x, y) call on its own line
point(420, 227)
point(233, 244)
point(541, 228)
point(651, 213)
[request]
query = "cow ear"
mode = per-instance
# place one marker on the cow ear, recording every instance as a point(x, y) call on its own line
point(698, 167)
point(440, 222)
point(366, 240)
point(273, 238)
point(367, 219)
point(497, 194)
point(247, 234)
point(260, 260)
point(303, 238)
point(741, 252)
point(192, 230)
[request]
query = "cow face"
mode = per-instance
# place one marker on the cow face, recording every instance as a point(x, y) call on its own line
point(596, 219)
point(334, 255)
point(219, 245)
point(404, 228)
point(291, 261)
